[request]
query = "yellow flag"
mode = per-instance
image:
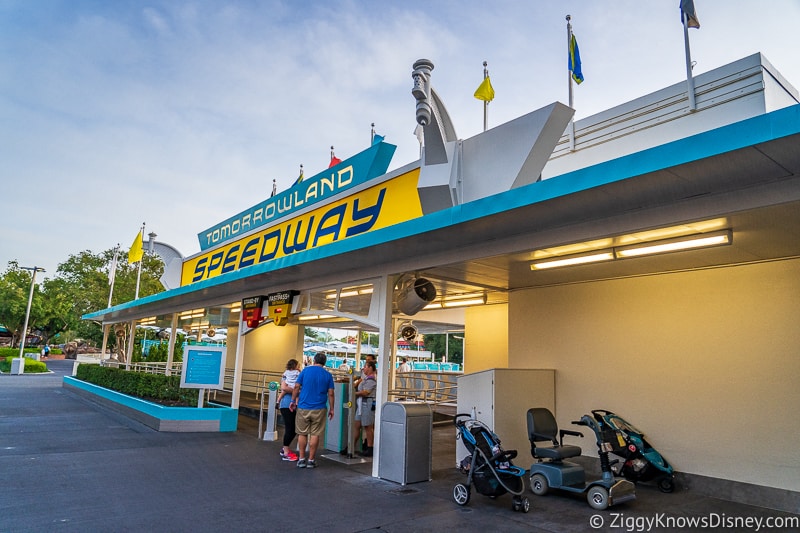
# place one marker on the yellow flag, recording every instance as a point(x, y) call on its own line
point(485, 91)
point(136, 252)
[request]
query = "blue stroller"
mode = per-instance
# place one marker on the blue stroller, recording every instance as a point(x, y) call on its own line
point(488, 467)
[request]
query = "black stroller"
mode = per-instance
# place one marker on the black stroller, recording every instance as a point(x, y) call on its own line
point(488, 466)
point(640, 461)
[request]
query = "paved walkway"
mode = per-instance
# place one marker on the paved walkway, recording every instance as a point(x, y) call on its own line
point(69, 465)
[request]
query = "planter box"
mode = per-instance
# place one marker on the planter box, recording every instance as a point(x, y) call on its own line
point(213, 418)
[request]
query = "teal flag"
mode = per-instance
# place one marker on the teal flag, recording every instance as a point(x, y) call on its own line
point(575, 60)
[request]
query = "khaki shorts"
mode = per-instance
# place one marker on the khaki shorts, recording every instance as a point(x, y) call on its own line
point(311, 421)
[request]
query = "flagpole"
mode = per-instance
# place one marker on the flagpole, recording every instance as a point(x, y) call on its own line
point(485, 102)
point(689, 77)
point(372, 134)
point(113, 274)
point(571, 126)
point(139, 272)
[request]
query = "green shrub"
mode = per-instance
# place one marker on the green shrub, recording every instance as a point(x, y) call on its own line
point(14, 352)
point(31, 365)
point(155, 387)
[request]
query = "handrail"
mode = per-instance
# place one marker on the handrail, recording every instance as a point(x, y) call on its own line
point(435, 388)
point(432, 387)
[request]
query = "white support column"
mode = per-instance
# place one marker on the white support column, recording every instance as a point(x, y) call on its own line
point(173, 335)
point(237, 368)
point(106, 329)
point(129, 352)
point(384, 360)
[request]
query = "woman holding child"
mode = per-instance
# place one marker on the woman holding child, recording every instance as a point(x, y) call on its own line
point(288, 379)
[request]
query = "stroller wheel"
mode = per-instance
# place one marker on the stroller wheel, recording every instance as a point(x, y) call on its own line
point(666, 484)
point(461, 494)
point(521, 503)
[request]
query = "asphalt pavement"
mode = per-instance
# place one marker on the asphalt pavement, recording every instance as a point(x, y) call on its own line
point(67, 464)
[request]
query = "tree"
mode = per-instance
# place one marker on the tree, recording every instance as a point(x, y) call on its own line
point(81, 286)
point(15, 286)
point(455, 347)
point(370, 339)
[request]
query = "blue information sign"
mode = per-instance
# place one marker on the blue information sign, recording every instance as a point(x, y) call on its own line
point(203, 367)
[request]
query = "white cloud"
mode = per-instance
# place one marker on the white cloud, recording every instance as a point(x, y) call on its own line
point(181, 113)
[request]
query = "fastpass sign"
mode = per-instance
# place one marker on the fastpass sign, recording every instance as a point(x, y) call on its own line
point(378, 207)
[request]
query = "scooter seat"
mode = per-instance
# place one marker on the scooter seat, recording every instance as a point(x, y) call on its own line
point(557, 452)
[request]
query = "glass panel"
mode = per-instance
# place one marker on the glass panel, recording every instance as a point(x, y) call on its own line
point(356, 300)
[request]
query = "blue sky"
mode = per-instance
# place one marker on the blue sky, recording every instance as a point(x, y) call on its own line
point(180, 113)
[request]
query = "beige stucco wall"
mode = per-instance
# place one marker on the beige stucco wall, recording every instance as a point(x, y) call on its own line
point(486, 341)
point(706, 363)
point(269, 347)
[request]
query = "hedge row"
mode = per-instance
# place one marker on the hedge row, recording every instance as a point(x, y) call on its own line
point(31, 366)
point(155, 387)
point(14, 352)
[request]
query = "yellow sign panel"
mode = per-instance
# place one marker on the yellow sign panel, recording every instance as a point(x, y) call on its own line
point(381, 206)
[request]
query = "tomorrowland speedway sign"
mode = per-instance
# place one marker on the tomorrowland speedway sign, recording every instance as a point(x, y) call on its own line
point(380, 206)
point(371, 163)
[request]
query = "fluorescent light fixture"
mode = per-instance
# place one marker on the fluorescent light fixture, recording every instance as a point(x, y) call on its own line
point(463, 302)
point(703, 240)
point(348, 292)
point(574, 260)
point(460, 300)
point(687, 242)
point(314, 317)
point(194, 313)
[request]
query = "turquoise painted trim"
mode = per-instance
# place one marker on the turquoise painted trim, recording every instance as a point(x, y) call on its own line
point(760, 129)
point(228, 418)
point(367, 164)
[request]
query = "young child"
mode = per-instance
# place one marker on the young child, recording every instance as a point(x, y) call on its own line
point(288, 379)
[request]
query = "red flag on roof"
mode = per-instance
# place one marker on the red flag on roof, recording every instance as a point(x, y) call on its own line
point(334, 160)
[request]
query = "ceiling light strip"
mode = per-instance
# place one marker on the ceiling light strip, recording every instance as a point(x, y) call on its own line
point(704, 240)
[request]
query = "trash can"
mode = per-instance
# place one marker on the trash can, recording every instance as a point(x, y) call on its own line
point(406, 442)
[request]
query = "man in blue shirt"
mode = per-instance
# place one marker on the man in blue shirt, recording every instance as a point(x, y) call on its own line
point(313, 389)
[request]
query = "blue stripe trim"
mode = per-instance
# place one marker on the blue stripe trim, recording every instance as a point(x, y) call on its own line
point(228, 417)
point(749, 132)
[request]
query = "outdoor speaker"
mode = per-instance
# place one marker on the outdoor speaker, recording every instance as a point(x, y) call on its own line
point(414, 295)
point(408, 332)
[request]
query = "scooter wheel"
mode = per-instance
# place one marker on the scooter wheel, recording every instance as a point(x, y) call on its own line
point(539, 485)
point(597, 498)
point(461, 494)
point(666, 484)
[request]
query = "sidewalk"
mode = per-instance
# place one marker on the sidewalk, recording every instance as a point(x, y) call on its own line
point(69, 465)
